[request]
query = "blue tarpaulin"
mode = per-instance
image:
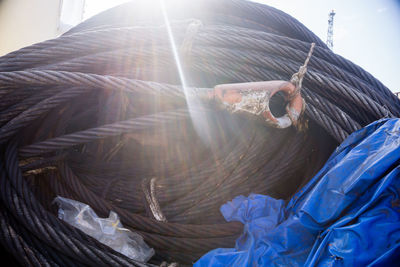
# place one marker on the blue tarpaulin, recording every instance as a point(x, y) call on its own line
point(347, 215)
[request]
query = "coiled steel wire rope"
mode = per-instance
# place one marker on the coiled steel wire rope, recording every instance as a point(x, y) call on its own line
point(97, 113)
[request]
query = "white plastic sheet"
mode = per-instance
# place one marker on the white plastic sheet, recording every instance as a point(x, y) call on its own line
point(108, 231)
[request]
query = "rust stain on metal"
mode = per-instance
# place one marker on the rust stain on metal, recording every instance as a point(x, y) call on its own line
point(254, 97)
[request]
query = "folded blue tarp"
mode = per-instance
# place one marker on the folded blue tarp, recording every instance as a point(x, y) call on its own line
point(347, 215)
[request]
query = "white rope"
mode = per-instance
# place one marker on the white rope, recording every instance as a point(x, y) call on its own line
point(297, 78)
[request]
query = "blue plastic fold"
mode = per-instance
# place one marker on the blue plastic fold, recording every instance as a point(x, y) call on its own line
point(347, 215)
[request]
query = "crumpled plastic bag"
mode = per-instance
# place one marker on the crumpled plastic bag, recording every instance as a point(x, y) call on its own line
point(108, 231)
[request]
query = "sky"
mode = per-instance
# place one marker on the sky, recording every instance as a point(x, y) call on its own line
point(367, 32)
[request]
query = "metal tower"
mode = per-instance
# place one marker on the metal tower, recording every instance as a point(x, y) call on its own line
point(329, 40)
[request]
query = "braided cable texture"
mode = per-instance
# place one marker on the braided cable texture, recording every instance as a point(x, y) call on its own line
point(94, 114)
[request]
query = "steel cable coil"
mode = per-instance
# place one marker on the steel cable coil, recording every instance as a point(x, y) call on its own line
point(98, 113)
